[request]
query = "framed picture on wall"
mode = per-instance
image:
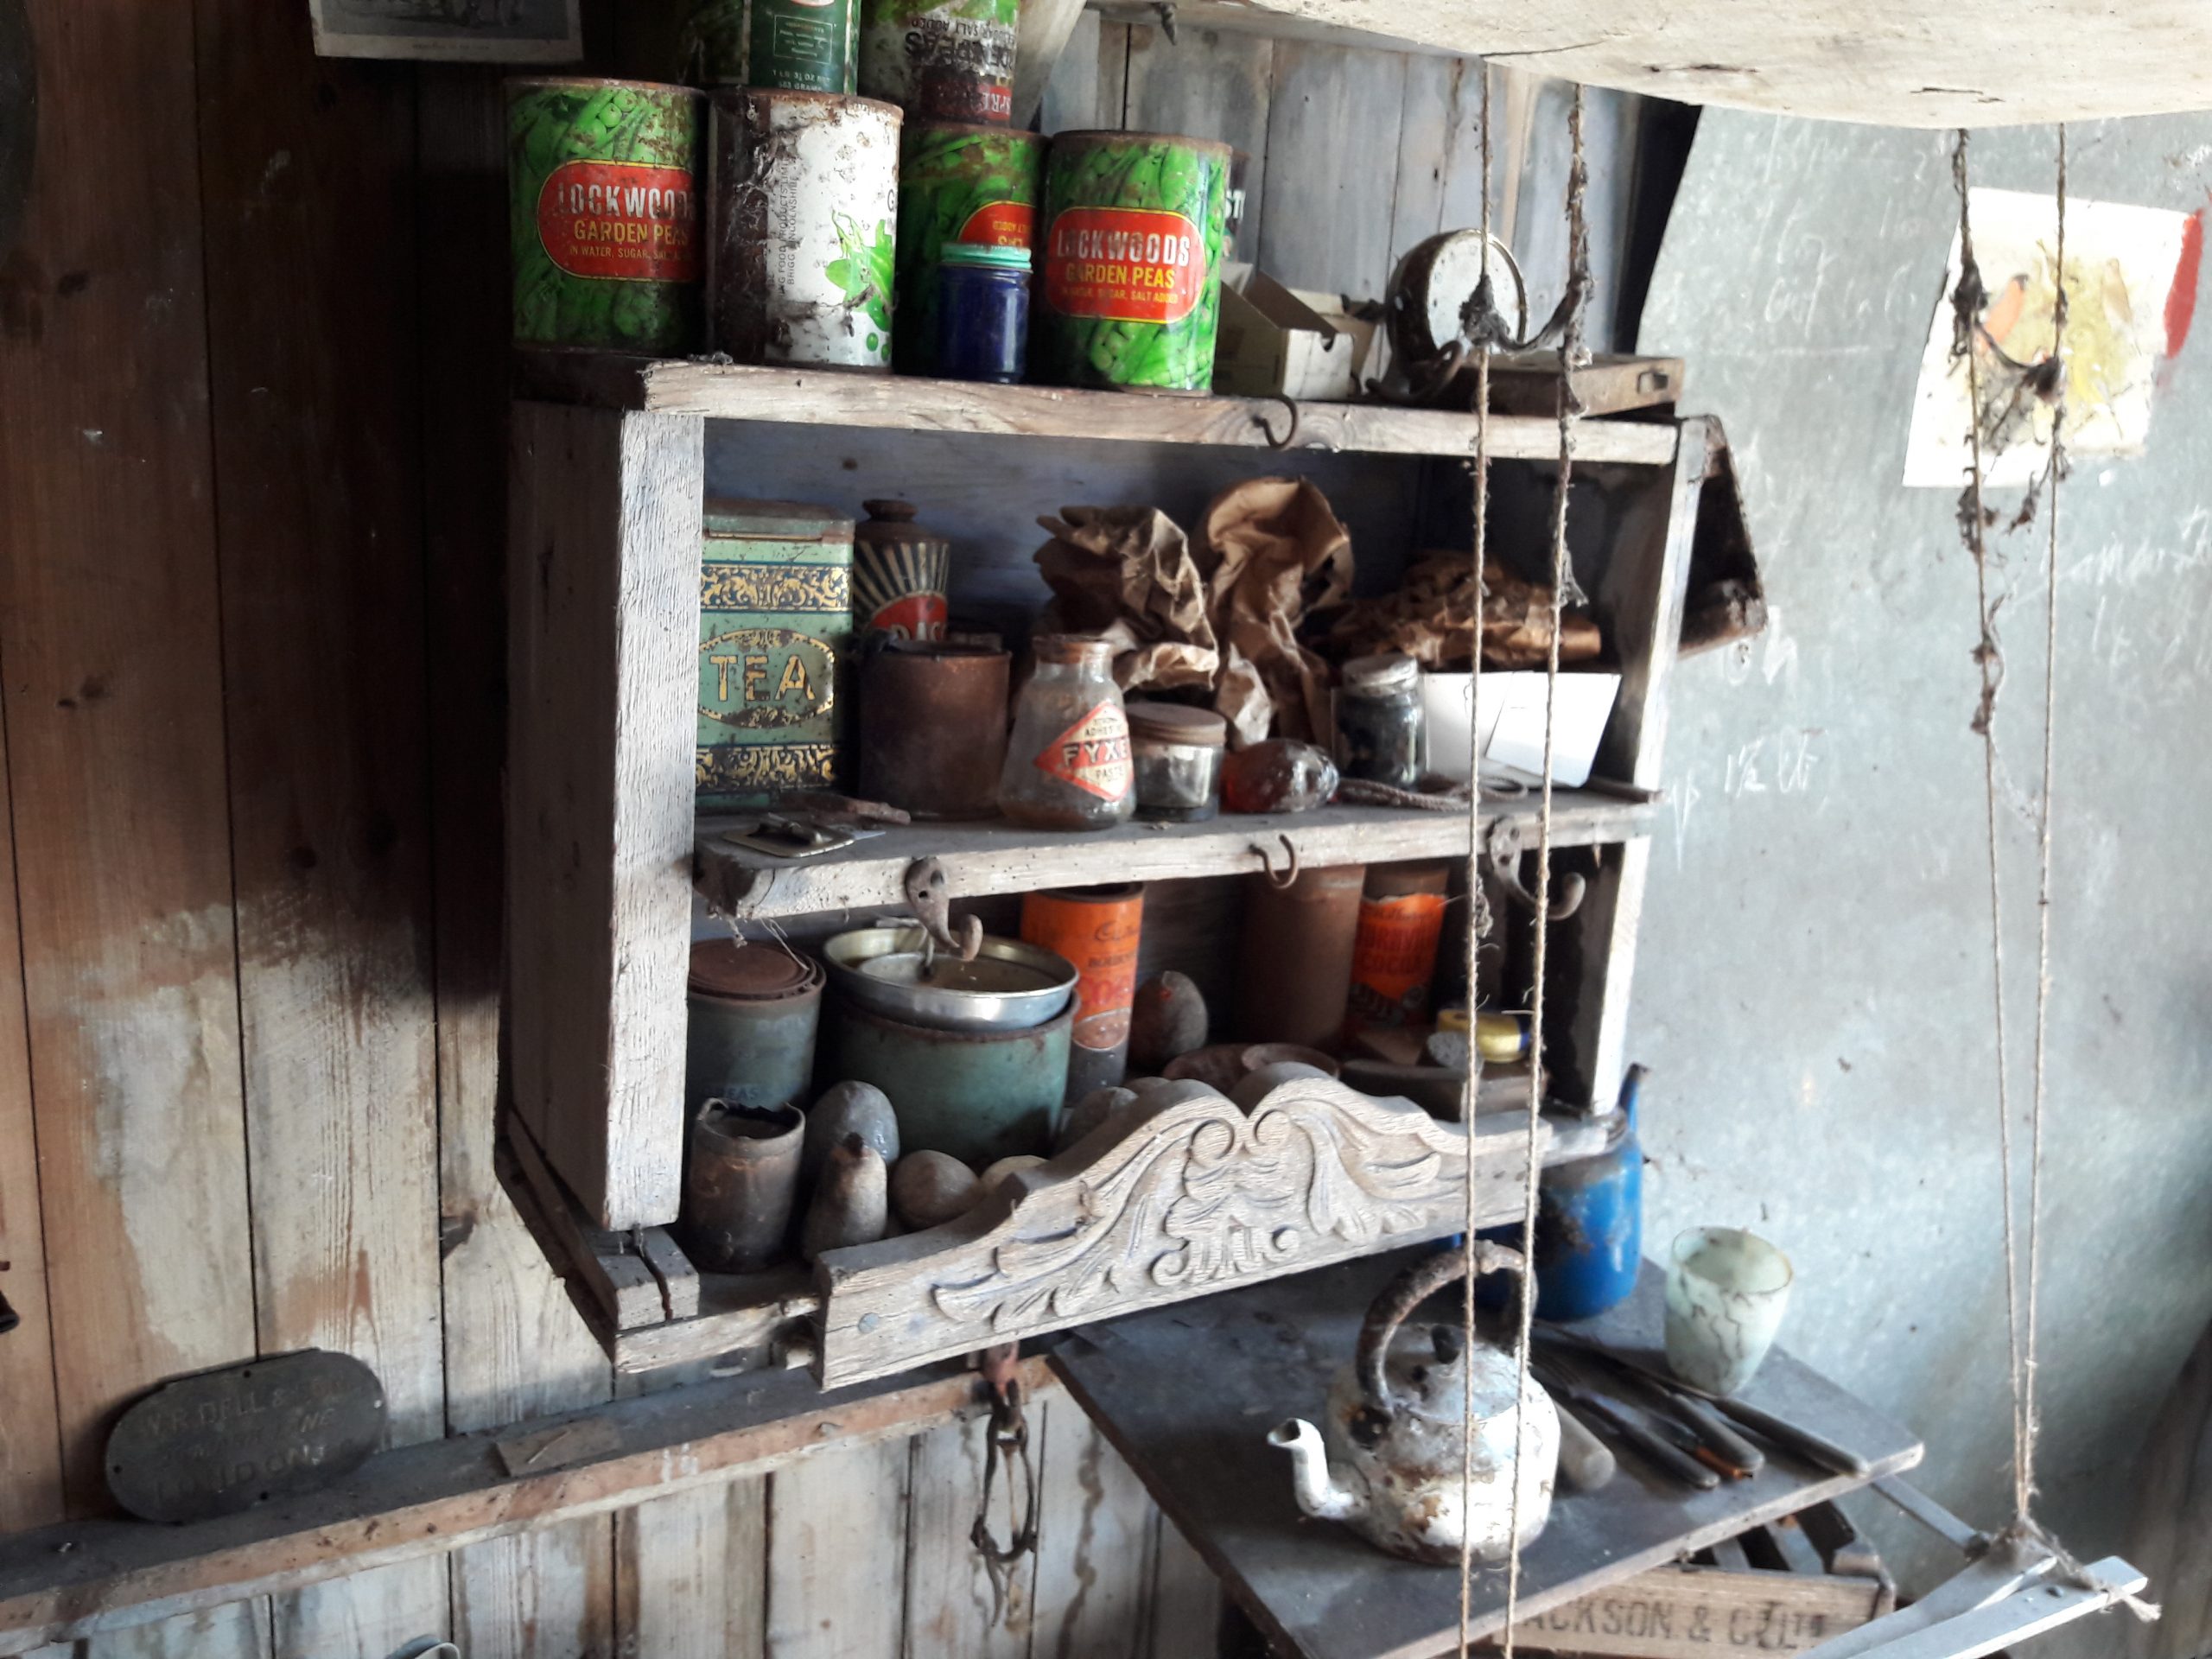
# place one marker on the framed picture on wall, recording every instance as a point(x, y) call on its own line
point(481, 31)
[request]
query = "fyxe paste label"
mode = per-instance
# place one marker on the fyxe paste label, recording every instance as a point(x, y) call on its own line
point(1000, 225)
point(621, 219)
point(1093, 754)
point(1133, 265)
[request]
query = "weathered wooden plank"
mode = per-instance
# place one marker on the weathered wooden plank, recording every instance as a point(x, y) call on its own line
point(548, 1593)
point(1319, 1173)
point(1187, 1598)
point(108, 626)
point(605, 584)
point(1683, 1612)
point(1093, 1546)
point(310, 218)
point(74, 1581)
point(1209, 85)
point(1042, 32)
point(999, 857)
point(949, 1607)
point(1332, 143)
point(691, 1574)
point(599, 1260)
point(240, 1629)
point(1071, 97)
point(838, 1554)
point(736, 1312)
point(814, 398)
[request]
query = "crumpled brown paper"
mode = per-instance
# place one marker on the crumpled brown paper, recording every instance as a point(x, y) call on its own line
point(1223, 620)
point(1431, 619)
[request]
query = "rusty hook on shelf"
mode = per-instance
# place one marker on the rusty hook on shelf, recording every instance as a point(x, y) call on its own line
point(1290, 434)
point(1503, 850)
point(1289, 879)
point(925, 892)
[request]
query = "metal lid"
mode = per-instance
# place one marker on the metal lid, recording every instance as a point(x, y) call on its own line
point(1074, 650)
point(758, 973)
point(1385, 672)
point(783, 521)
point(883, 510)
point(1175, 723)
point(984, 255)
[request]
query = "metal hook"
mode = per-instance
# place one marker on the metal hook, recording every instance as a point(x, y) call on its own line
point(926, 892)
point(1504, 851)
point(1290, 435)
point(1289, 879)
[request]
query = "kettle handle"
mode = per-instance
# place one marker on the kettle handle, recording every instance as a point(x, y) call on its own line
point(1415, 1286)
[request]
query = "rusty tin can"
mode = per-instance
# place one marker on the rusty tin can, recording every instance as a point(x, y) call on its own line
point(604, 214)
point(752, 1014)
point(775, 625)
point(1098, 929)
point(980, 1096)
point(806, 46)
point(900, 572)
point(941, 60)
point(933, 727)
point(740, 1182)
point(1394, 958)
point(804, 205)
point(956, 184)
point(1294, 972)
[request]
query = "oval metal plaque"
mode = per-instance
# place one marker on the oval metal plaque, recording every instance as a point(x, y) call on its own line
point(219, 1442)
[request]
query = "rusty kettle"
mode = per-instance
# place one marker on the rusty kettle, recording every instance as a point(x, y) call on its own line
point(1390, 1464)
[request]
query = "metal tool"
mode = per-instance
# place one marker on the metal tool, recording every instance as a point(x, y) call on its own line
point(1585, 1463)
point(1647, 1443)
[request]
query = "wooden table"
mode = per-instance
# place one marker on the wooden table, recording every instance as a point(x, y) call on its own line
point(1188, 1393)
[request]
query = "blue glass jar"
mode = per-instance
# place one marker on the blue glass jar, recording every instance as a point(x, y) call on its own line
point(982, 311)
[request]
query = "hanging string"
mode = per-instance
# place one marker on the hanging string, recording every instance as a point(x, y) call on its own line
point(1478, 908)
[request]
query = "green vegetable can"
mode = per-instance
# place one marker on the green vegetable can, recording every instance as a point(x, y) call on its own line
point(1132, 260)
point(605, 215)
point(808, 45)
point(804, 193)
point(956, 184)
point(941, 60)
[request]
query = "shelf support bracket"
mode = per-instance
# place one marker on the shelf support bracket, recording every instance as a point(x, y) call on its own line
point(926, 893)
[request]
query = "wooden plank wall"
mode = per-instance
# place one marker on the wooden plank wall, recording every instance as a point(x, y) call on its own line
point(252, 319)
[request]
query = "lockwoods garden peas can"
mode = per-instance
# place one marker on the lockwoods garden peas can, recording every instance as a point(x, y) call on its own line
point(794, 45)
point(1132, 260)
point(956, 184)
point(804, 189)
point(941, 60)
point(605, 215)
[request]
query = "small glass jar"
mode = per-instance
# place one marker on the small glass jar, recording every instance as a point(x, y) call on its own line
point(1067, 764)
point(1379, 721)
point(983, 312)
point(1178, 755)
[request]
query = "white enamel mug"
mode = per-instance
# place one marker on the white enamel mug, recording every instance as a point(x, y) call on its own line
point(1726, 1290)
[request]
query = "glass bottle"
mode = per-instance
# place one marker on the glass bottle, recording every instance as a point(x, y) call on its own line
point(1067, 764)
point(1379, 721)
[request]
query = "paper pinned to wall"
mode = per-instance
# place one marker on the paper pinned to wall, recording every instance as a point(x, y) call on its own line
point(1513, 723)
point(2130, 280)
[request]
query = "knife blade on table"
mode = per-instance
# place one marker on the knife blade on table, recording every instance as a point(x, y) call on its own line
point(1645, 1441)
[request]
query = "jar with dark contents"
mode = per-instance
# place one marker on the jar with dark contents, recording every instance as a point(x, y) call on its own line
point(1177, 751)
point(1379, 721)
point(1067, 764)
point(983, 312)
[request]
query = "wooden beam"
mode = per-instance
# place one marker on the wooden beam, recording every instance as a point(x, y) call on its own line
point(72, 1582)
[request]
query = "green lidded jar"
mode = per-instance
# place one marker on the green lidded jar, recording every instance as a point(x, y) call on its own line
point(602, 176)
point(957, 183)
point(800, 45)
point(1131, 289)
point(775, 631)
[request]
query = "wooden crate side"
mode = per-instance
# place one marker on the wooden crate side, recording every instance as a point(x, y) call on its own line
point(1094, 1545)
point(950, 1609)
point(603, 577)
point(1692, 1612)
point(838, 1554)
point(691, 1574)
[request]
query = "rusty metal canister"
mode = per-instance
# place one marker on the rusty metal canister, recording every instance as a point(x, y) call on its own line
point(750, 1039)
point(933, 727)
point(740, 1179)
point(797, 45)
point(1098, 929)
point(941, 60)
point(803, 210)
point(980, 1096)
point(1294, 973)
point(900, 573)
point(603, 213)
point(1400, 921)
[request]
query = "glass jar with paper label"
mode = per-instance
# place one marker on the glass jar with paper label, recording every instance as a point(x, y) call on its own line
point(1067, 764)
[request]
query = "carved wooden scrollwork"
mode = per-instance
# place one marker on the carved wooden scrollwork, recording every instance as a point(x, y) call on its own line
point(1186, 1196)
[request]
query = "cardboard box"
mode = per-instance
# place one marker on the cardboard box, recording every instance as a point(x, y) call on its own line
point(1274, 340)
point(1513, 723)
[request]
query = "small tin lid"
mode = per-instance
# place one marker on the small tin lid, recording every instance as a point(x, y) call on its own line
point(984, 255)
point(1175, 722)
point(1385, 672)
point(756, 974)
point(891, 524)
point(1074, 650)
point(782, 521)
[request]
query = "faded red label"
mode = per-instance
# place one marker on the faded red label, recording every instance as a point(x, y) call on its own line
point(1131, 265)
point(913, 616)
point(1093, 754)
point(1000, 225)
point(622, 220)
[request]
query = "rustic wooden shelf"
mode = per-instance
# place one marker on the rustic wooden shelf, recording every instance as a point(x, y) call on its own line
point(901, 403)
point(995, 857)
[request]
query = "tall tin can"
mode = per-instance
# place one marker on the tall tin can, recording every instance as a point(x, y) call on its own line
point(1134, 231)
point(1394, 956)
point(900, 572)
point(956, 184)
point(1098, 929)
point(799, 46)
point(980, 1096)
point(1294, 957)
point(752, 1017)
point(604, 214)
point(775, 623)
point(803, 200)
point(933, 727)
point(941, 60)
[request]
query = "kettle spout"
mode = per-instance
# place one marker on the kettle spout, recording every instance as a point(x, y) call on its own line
point(1319, 1493)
